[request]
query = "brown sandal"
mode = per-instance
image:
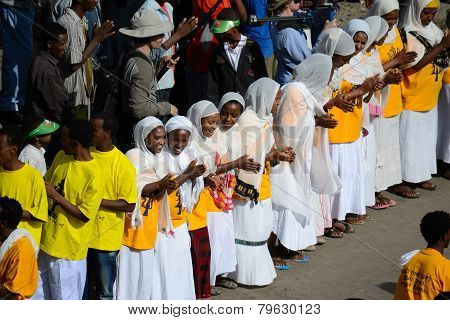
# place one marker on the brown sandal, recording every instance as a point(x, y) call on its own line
point(353, 219)
point(333, 233)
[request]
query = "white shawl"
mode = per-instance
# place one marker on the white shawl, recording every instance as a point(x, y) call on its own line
point(381, 8)
point(150, 168)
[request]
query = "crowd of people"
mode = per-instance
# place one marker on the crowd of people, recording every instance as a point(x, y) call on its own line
point(108, 192)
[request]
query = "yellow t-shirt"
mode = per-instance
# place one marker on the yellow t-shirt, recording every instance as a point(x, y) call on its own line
point(143, 237)
point(119, 183)
point(349, 124)
point(19, 269)
point(26, 185)
point(177, 214)
point(387, 52)
point(198, 218)
point(264, 189)
point(424, 276)
point(420, 90)
point(81, 183)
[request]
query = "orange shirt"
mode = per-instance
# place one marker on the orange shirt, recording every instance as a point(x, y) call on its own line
point(387, 52)
point(424, 276)
point(177, 214)
point(198, 218)
point(19, 269)
point(143, 237)
point(420, 90)
point(349, 124)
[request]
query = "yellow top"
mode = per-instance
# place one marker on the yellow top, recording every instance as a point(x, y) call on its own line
point(143, 237)
point(177, 213)
point(19, 269)
point(26, 185)
point(81, 183)
point(349, 124)
point(420, 90)
point(119, 183)
point(424, 276)
point(389, 51)
point(264, 189)
point(198, 218)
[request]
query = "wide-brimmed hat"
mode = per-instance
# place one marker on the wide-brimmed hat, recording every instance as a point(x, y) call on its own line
point(275, 4)
point(146, 23)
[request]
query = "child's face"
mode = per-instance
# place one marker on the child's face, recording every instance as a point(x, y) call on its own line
point(427, 15)
point(156, 41)
point(58, 48)
point(391, 18)
point(45, 139)
point(209, 125)
point(277, 102)
point(360, 40)
point(178, 141)
point(229, 114)
point(5, 150)
point(339, 61)
point(156, 140)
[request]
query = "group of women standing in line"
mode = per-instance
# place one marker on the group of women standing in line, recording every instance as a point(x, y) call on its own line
point(231, 193)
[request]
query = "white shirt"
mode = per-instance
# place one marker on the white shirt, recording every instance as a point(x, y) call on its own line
point(234, 54)
point(34, 157)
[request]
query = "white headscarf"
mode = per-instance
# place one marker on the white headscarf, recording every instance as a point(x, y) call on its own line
point(231, 140)
point(335, 41)
point(205, 147)
point(381, 8)
point(357, 25)
point(256, 127)
point(412, 23)
point(189, 191)
point(377, 26)
point(150, 168)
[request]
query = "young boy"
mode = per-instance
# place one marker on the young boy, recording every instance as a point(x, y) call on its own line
point(75, 188)
point(427, 273)
point(22, 182)
point(77, 64)
point(38, 134)
point(18, 264)
point(237, 62)
point(120, 194)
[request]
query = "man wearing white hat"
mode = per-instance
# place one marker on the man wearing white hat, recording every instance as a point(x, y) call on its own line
point(139, 71)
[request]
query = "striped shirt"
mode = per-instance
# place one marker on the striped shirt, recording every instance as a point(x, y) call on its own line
point(76, 83)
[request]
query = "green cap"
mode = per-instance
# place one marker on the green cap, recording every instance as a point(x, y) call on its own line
point(275, 4)
point(45, 127)
point(222, 26)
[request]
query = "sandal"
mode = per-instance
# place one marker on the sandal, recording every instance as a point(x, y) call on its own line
point(343, 227)
point(215, 291)
point(353, 219)
point(427, 185)
point(387, 201)
point(333, 233)
point(226, 283)
point(365, 217)
point(411, 194)
point(301, 257)
point(280, 264)
point(379, 205)
point(320, 240)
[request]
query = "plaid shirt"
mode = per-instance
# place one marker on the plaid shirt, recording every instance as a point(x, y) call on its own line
point(22, 4)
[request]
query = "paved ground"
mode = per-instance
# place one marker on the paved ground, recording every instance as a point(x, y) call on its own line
point(359, 266)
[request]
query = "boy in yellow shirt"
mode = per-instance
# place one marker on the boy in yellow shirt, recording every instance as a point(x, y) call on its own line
point(18, 264)
point(75, 190)
point(22, 182)
point(427, 274)
point(120, 194)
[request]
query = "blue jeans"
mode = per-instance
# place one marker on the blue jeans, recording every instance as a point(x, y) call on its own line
point(17, 34)
point(101, 274)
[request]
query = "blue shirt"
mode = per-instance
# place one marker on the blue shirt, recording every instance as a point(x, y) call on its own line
point(261, 34)
point(290, 48)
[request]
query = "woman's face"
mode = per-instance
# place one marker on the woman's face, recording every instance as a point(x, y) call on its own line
point(209, 125)
point(360, 40)
point(427, 15)
point(339, 61)
point(391, 18)
point(229, 114)
point(156, 140)
point(178, 141)
point(277, 102)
